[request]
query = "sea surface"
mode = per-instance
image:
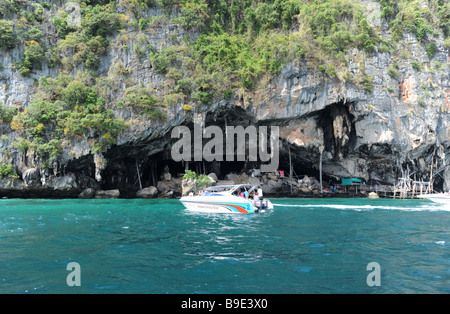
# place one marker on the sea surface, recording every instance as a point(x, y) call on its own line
point(158, 247)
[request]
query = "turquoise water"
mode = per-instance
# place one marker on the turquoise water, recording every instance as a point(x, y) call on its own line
point(155, 246)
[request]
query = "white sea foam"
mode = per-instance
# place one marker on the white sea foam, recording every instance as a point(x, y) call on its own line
point(422, 207)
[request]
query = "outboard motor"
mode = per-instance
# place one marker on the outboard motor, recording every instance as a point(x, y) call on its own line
point(261, 205)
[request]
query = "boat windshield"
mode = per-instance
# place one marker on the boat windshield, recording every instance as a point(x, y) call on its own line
point(220, 188)
point(217, 190)
point(226, 189)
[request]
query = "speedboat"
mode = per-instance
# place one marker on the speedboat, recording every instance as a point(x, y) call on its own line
point(227, 199)
point(442, 198)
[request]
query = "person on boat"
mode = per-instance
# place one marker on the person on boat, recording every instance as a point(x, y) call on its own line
point(260, 193)
point(246, 195)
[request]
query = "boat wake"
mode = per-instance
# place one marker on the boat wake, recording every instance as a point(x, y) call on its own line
point(423, 207)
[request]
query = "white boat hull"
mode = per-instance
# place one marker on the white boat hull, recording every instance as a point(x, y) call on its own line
point(221, 204)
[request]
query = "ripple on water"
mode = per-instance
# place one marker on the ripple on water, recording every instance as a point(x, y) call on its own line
point(155, 246)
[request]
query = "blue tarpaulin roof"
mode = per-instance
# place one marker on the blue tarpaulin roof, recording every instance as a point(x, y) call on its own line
point(350, 181)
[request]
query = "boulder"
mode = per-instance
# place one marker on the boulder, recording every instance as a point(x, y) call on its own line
point(150, 192)
point(167, 176)
point(274, 184)
point(254, 181)
point(305, 189)
point(225, 182)
point(188, 186)
point(107, 194)
point(87, 193)
point(172, 187)
point(168, 194)
point(212, 176)
point(234, 177)
point(373, 195)
point(306, 180)
point(315, 184)
point(271, 187)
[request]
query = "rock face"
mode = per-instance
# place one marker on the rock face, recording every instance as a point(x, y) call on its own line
point(361, 131)
point(63, 183)
point(403, 123)
point(447, 179)
point(31, 177)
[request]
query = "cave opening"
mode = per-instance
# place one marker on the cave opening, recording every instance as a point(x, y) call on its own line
point(124, 163)
point(338, 126)
point(122, 171)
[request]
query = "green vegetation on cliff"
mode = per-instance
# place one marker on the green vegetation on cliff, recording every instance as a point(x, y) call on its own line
point(227, 48)
point(7, 171)
point(62, 109)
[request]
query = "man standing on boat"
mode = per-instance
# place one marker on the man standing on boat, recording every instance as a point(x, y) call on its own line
point(260, 193)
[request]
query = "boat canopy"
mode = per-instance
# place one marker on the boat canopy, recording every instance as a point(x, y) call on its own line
point(229, 188)
point(220, 188)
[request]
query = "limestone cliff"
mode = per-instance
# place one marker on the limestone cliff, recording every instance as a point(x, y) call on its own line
point(378, 115)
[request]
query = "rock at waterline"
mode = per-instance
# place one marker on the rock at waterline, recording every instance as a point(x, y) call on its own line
point(150, 192)
point(373, 195)
point(107, 194)
point(87, 193)
point(172, 187)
